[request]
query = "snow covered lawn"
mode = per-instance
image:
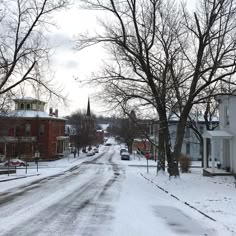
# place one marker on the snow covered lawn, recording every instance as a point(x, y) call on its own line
point(213, 196)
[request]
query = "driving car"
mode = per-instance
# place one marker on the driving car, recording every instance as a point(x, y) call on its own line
point(123, 150)
point(95, 150)
point(90, 153)
point(125, 156)
point(108, 144)
point(16, 162)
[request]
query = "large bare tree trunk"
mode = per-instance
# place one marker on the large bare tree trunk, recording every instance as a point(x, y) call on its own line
point(179, 141)
point(161, 148)
point(164, 144)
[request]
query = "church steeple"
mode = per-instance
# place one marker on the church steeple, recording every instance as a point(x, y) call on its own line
point(88, 108)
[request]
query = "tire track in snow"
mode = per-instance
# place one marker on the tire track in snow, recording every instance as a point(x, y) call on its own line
point(79, 212)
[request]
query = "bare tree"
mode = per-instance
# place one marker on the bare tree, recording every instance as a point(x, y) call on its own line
point(24, 50)
point(165, 57)
point(140, 73)
point(84, 135)
point(210, 58)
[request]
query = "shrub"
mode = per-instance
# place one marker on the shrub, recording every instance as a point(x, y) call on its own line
point(185, 163)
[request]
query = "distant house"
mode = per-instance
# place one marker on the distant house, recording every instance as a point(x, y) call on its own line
point(102, 133)
point(141, 145)
point(191, 146)
point(223, 140)
point(28, 130)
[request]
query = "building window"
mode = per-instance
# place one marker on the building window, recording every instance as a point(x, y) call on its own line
point(4, 131)
point(201, 149)
point(27, 129)
point(22, 106)
point(41, 129)
point(201, 129)
point(226, 115)
point(28, 106)
point(187, 148)
point(187, 133)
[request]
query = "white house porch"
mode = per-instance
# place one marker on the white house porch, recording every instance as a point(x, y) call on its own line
point(221, 150)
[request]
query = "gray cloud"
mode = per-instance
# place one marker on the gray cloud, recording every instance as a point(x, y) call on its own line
point(71, 64)
point(61, 41)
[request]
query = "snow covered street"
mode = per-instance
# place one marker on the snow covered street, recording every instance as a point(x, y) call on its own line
point(104, 196)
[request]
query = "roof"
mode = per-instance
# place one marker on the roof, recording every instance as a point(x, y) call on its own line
point(101, 131)
point(200, 118)
point(30, 114)
point(25, 99)
point(217, 134)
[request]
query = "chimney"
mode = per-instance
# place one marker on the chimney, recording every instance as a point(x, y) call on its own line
point(50, 111)
point(56, 112)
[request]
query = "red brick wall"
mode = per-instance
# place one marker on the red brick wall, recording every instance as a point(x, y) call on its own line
point(141, 145)
point(46, 142)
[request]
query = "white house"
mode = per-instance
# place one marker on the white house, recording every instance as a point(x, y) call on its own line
point(224, 138)
point(191, 146)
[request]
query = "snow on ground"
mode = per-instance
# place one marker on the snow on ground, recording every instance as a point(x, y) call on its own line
point(210, 201)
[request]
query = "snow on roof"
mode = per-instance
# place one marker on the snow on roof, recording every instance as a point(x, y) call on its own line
point(200, 118)
point(30, 114)
point(141, 140)
point(28, 99)
point(101, 130)
point(104, 126)
point(217, 134)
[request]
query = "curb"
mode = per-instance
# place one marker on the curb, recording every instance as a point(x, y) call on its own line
point(22, 177)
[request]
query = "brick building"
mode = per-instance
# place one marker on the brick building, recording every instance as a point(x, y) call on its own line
point(29, 129)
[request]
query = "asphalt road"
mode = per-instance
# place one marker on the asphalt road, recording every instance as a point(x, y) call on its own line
point(76, 202)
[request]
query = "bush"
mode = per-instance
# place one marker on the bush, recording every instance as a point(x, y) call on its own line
point(185, 163)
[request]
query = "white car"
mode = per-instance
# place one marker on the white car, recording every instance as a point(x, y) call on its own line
point(90, 153)
point(125, 156)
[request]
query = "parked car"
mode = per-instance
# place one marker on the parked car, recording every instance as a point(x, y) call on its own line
point(96, 150)
point(108, 144)
point(15, 162)
point(123, 150)
point(90, 153)
point(125, 156)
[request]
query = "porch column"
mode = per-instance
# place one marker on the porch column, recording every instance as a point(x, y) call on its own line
point(204, 153)
point(221, 151)
point(213, 154)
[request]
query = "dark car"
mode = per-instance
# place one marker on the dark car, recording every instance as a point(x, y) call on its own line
point(123, 150)
point(125, 156)
point(108, 144)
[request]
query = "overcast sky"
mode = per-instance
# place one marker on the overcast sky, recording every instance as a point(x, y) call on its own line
point(69, 64)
